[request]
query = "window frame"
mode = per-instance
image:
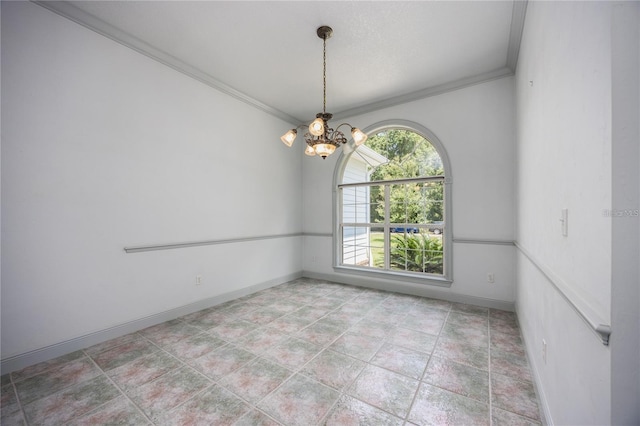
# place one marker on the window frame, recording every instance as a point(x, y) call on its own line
point(444, 280)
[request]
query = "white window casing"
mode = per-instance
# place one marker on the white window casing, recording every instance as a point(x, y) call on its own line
point(352, 245)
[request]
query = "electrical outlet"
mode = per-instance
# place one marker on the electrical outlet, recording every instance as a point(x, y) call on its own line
point(544, 351)
point(198, 279)
point(491, 278)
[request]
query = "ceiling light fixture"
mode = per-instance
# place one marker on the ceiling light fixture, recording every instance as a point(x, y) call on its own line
point(321, 139)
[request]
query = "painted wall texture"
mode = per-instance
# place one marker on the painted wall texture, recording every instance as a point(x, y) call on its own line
point(476, 127)
point(570, 150)
point(103, 148)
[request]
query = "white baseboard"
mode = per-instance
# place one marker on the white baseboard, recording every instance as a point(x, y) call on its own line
point(413, 289)
point(545, 413)
point(26, 359)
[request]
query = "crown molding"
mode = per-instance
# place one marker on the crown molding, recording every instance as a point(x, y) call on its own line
point(71, 12)
point(425, 93)
point(515, 35)
point(89, 21)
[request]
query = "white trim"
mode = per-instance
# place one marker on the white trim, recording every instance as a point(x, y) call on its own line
point(515, 35)
point(438, 178)
point(26, 359)
point(318, 234)
point(592, 318)
point(425, 93)
point(338, 173)
point(413, 289)
point(454, 240)
point(169, 246)
point(545, 411)
point(101, 27)
point(482, 241)
point(418, 278)
point(71, 12)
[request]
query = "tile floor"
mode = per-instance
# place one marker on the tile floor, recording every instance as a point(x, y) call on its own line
point(303, 353)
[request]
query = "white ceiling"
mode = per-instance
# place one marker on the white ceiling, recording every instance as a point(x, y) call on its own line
point(267, 53)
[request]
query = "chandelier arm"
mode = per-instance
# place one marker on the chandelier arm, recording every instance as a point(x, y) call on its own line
point(321, 139)
point(344, 124)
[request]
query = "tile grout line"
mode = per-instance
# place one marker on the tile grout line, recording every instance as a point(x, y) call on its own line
point(518, 379)
point(324, 348)
point(20, 405)
point(84, 355)
point(211, 381)
point(254, 406)
point(159, 349)
point(343, 391)
point(200, 392)
point(420, 381)
point(343, 318)
point(490, 369)
point(122, 392)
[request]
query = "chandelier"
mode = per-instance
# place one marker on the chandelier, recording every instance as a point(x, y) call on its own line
point(321, 139)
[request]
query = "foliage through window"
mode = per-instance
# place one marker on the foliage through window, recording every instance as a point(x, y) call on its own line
point(392, 209)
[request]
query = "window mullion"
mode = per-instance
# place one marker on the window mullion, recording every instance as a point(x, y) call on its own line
point(387, 233)
point(421, 246)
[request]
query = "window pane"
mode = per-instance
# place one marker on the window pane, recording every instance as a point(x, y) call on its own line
point(361, 205)
point(355, 245)
point(398, 252)
point(432, 201)
point(416, 253)
point(348, 205)
point(397, 204)
point(397, 224)
point(408, 154)
point(377, 247)
point(414, 260)
point(376, 207)
point(356, 205)
point(433, 261)
point(414, 204)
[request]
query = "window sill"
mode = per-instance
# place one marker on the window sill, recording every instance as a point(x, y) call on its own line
point(397, 276)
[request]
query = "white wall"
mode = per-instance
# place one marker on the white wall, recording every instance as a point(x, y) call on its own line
point(476, 127)
point(564, 151)
point(104, 148)
point(625, 277)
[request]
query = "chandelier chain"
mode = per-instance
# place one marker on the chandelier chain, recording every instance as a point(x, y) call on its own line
point(321, 139)
point(324, 74)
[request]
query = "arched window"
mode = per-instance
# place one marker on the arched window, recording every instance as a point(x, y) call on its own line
point(393, 206)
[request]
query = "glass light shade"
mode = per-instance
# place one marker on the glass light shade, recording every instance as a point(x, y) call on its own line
point(289, 137)
point(316, 128)
point(309, 151)
point(359, 137)
point(324, 149)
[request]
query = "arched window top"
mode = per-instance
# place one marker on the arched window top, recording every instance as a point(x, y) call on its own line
point(406, 154)
point(393, 205)
point(419, 144)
